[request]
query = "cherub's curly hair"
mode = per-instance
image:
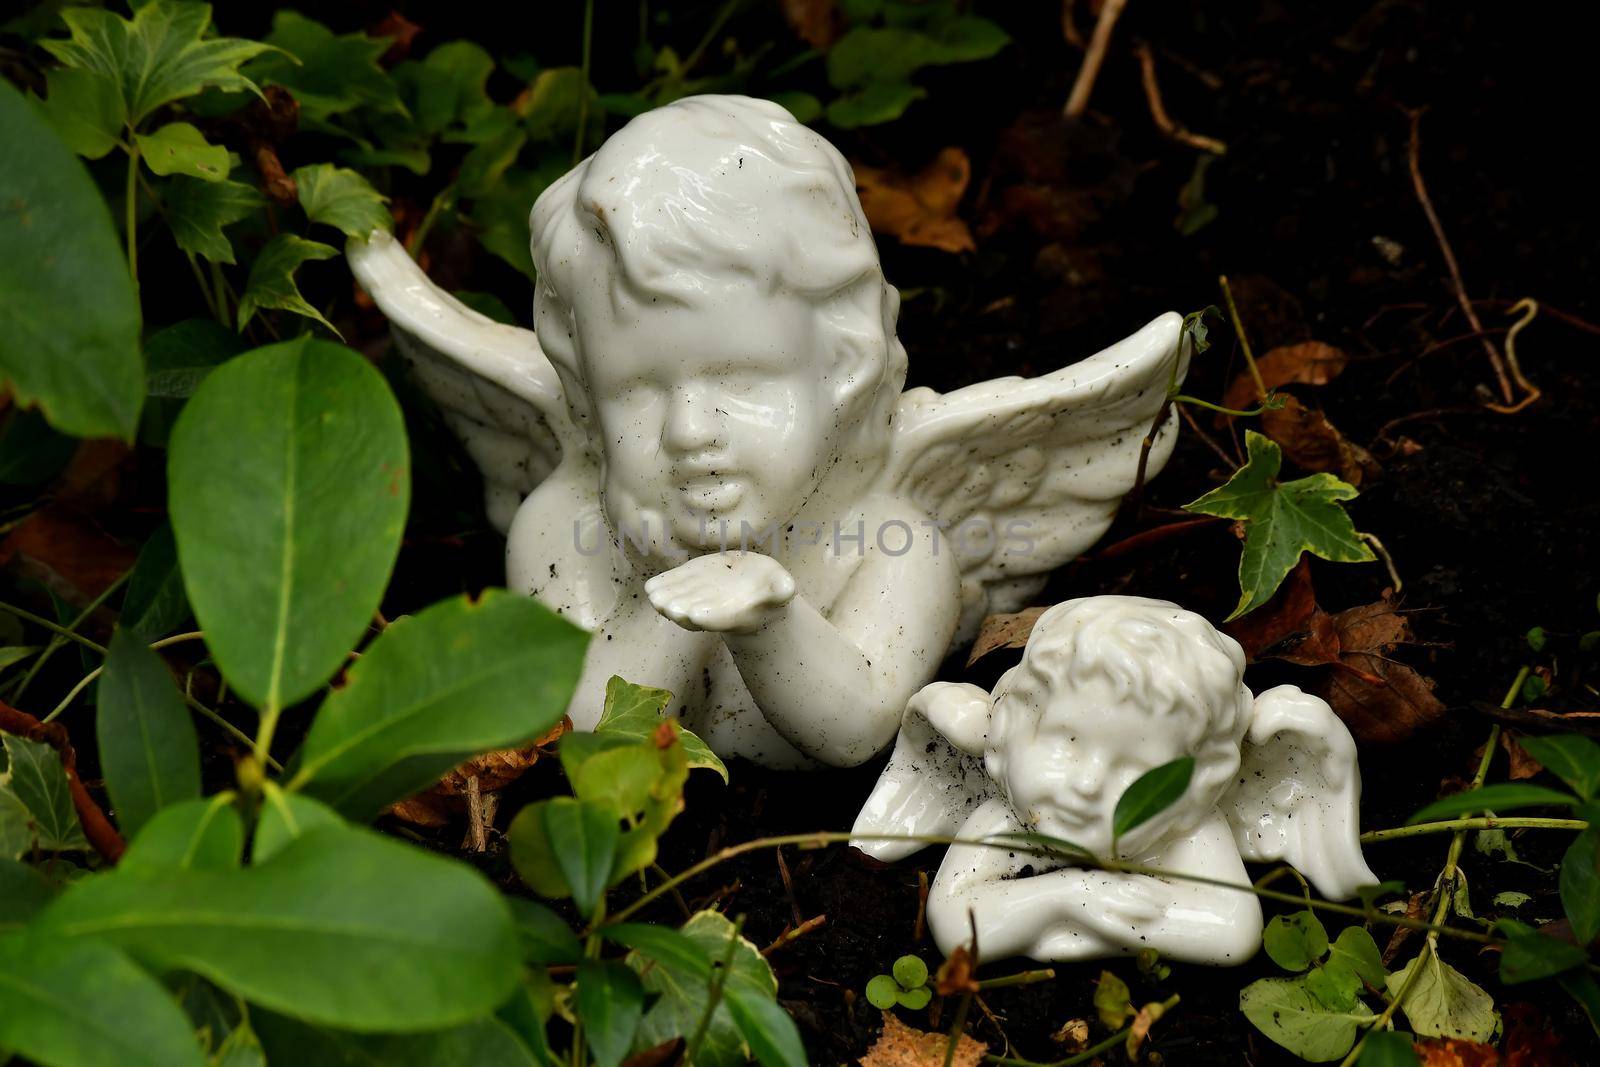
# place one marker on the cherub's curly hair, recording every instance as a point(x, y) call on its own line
point(704, 190)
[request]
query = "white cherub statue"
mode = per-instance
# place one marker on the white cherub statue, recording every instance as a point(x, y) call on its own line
point(705, 456)
point(1111, 687)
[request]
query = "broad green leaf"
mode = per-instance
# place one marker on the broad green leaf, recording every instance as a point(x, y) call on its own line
point(882, 55)
point(639, 710)
point(288, 483)
point(459, 678)
point(546, 938)
point(35, 776)
point(30, 451)
point(329, 74)
point(532, 853)
point(610, 1001)
point(583, 838)
point(1295, 941)
point(271, 283)
point(81, 1003)
point(1443, 1002)
point(284, 817)
point(1580, 885)
point(805, 107)
point(874, 104)
point(480, 1043)
point(160, 55)
point(501, 216)
point(71, 342)
point(203, 834)
point(678, 970)
point(155, 604)
point(1151, 793)
point(179, 148)
point(179, 357)
point(86, 110)
point(343, 199)
point(1530, 955)
point(341, 927)
point(1499, 797)
point(25, 892)
point(1354, 959)
point(1282, 520)
point(528, 1015)
point(10, 655)
point(1387, 1048)
point(198, 210)
point(1573, 758)
point(485, 166)
point(1287, 1012)
point(639, 781)
point(449, 87)
point(550, 107)
point(772, 1036)
point(16, 824)
point(148, 748)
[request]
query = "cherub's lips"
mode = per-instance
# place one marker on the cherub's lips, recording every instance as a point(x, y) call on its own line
point(711, 492)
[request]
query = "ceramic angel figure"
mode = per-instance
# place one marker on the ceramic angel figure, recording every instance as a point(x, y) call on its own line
point(705, 456)
point(1108, 688)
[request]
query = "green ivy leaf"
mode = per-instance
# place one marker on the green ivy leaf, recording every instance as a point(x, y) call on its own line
point(288, 481)
point(71, 342)
point(192, 834)
point(158, 56)
point(1499, 797)
point(485, 166)
point(343, 199)
point(271, 283)
point(550, 107)
point(35, 777)
point(305, 932)
point(449, 88)
point(610, 1001)
point(180, 148)
point(1443, 1002)
point(148, 749)
point(501, 215)
point(1282, 520)
point(1295, 941)
point(130, 1020)
point(328, 74)
point(407, 715)
point(1287, 1012)
point(638, 711)
point(1573, 758)
point(86, 110)
point(873, 105)
point(640, 782)
point(1580, 885)
point(198, 210)
point(1151, 793)
point(16, 824)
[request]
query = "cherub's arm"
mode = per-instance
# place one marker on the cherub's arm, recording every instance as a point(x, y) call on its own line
point(833, 686)
point(1072, 913)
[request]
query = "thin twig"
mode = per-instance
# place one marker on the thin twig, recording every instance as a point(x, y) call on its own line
point(794, 934)
point(1383, 554)
point(1158, 109)
point(922, 906)
point(1078, 100)
point(1244, 341)
point(788, 886)
point(1487, 822)
point(1530, 310)
point(59, 641)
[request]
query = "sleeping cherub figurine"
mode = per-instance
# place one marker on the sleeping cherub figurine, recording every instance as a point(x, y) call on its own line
point(1110, 687)
point(705, 456)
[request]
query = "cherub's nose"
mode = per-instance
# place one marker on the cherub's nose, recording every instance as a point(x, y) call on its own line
point(1087, 782)
point(693, 422)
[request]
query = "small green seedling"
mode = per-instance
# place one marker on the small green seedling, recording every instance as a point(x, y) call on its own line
point(907, 986)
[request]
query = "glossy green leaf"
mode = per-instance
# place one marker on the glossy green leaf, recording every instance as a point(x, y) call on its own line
point(459, 678)
point(271, 283)
point(533, 855)
point(1354, 960)
point(35, 777)
point(1388, 1048)
point(1580, 885)
point(449, 88)
point(148, 749)
point(1500, 797)
point(160, 55)
point(341, 927)
point(86, 110)
point(1151, 793)
point(328, 73)
point(81, 1003)
point(180, 148)
point(1282, 520)
point(343, 199)
point(156, 603)
point(772, 1036)
point(638, 781)
point(1530, 955)
point(25, 892)
point(480, 1043)
point(71, 342)
point(197, 211)
point(638, 711)
point(284, 817)
point(1573, 758)
point(583, 838)
point(203, 834)
point(1287, 1012)
point(550, 107)
point(910, 972)
point(1295, 941)
point(1443, 1002)
point(485, 166)
point(288, 484)
point(610, 1001)
point(546, 938)
point(873, 105)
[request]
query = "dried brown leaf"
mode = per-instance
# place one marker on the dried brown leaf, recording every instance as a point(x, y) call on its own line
point(1313, 443)
point(1454, 1052)
point(816, 22)
point(1522, 765)
point(955, 974)
point(1003, 631)
point(919, 209)
point(447, 798)
point(1142, 1022)
point(1311, 363)
point(1287, 615)
point(1530, 1039)
point(64, 549)
point(1073, 1035)
point(903, 1046)
point(1381, 714)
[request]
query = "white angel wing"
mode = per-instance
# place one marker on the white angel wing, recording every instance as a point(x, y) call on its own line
point(935, 776)
point(1298, 795)
point(1029, 472)
point(493, 383)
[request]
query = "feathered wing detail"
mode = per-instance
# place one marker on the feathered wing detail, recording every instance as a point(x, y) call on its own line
point(935, 776)
point(1035, 467)
point(1298, 793)
point(497, 390)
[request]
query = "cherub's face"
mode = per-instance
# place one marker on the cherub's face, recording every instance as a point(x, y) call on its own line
point(712, 419)
point(1065, 779)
